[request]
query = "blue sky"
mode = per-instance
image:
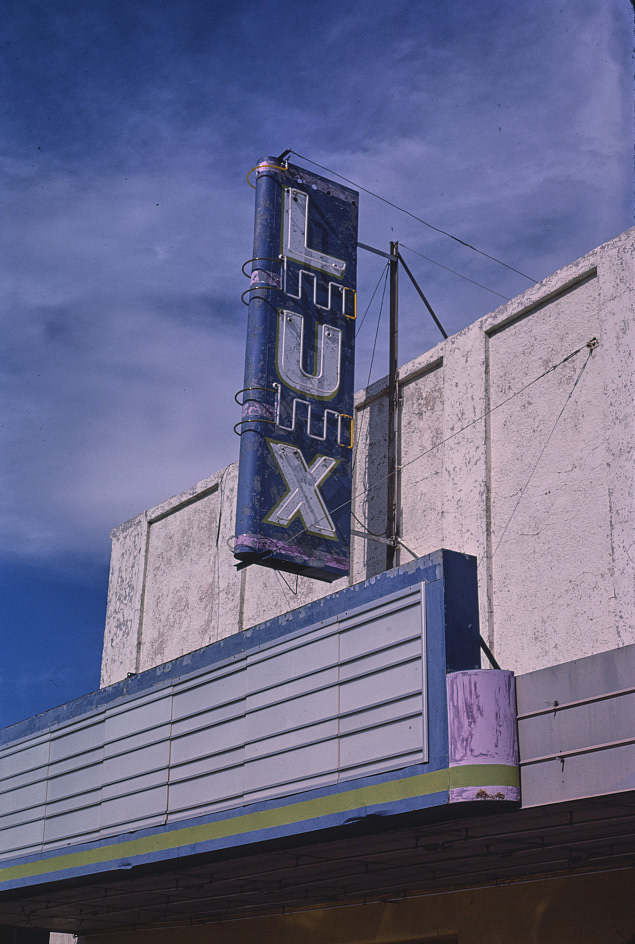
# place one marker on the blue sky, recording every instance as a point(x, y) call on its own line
point(127, 133)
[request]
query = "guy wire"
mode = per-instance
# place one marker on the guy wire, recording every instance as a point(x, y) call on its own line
point(458, 432)
point(419, 219)
point(453, 271)
point(372, 358)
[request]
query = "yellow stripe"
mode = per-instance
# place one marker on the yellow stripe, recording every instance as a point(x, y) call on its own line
point(475, 775)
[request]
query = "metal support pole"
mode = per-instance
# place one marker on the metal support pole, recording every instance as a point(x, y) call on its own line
point(393, 408)
point(422, 297)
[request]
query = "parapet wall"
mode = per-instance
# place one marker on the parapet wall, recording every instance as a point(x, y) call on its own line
point(517, 445)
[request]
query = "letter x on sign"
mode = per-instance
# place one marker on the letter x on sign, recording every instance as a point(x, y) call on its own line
point(302, 497)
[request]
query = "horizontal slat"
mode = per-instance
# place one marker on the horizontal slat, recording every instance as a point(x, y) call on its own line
point(74, 741)
point(123, 749)
point(556, 708)
point(578, 727)
point(201, 720)
point(23, 797)
point(206, 791)
point(23, 764)
point(135, 719)
point(580, 774)
point(229, 686)
point(292, 688)
point(23, 839)
point(294, 764)
point(381, 742)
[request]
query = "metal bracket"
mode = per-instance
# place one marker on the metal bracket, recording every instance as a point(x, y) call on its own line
point(378, 252)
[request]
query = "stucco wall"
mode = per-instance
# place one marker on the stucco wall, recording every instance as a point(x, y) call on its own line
point(517, 445)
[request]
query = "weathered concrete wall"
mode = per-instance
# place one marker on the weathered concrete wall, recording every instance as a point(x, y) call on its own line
point(173, 587)
point(517, 445)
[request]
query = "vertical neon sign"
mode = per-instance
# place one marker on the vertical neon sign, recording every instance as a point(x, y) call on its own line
point(295, 472)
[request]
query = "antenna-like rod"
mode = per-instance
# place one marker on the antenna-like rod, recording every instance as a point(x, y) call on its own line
point(393, 407)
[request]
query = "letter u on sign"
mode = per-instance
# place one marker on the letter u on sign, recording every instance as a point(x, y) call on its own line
point(324, 382)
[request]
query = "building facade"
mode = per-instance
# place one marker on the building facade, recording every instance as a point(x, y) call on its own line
point(343, 794)
point(516, 445)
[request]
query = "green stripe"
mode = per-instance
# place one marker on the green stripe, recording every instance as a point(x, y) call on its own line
point(475, 775)
point(484, 775)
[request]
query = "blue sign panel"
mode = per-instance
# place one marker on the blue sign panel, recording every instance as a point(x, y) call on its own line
point(295, 472)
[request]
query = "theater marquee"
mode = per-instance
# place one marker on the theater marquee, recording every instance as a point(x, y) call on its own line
point(295, 472)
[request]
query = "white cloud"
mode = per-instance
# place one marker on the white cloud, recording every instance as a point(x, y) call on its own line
point(125, 334)
point(97, 436)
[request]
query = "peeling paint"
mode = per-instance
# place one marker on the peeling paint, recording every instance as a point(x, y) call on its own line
point(482, 726)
